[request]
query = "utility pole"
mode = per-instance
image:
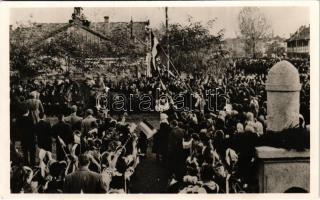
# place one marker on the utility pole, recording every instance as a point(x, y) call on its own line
point(167, 35)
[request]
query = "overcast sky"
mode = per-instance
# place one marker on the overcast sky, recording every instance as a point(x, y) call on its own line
point(284, 20)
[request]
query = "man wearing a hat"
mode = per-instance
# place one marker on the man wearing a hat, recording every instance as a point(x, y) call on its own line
point(83, 180)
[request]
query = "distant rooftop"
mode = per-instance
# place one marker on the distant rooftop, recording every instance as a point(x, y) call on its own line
point(303, 33)
point(39, 31)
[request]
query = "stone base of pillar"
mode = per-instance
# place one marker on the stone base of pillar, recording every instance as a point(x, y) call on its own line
point(281, 170)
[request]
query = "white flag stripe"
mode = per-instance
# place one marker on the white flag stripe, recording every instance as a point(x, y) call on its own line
point(154, 51)
point(147, 130)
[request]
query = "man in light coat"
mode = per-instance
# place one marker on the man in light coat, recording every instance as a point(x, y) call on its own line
point(86, 124)
point(73, 119)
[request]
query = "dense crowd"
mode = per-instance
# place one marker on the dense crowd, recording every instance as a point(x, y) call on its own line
point(93, 150)
point(86, 145)
point(92, 154)
point(58, 93)
point(213, 150)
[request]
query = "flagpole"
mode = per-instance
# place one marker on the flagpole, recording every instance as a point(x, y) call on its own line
point(167, 35)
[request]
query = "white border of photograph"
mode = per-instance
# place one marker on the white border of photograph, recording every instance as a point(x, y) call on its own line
point(4, 99)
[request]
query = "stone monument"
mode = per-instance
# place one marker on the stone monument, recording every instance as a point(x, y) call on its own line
point(283, 97)
point(282, 170)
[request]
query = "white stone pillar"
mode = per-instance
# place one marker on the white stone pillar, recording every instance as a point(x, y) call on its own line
point(283, 96)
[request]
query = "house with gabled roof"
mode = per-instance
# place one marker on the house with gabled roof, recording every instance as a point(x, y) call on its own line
point(298, 45)
point(81, 39)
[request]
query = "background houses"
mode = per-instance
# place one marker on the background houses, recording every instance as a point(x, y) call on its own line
point(267, 47)
point(79, 45)
point(298, 45)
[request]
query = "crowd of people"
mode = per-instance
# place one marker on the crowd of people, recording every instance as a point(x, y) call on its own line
point(89, 155)
point(93, 150)
point(212, 151)
point(58, 93)
point(79, 147)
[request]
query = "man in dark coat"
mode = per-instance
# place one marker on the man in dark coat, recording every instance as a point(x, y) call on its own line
point(26, 128)
point(64, 137)
point(176, 160)
point(160, 146)
point(83, 180)
point(44, 133)
point(244, 143)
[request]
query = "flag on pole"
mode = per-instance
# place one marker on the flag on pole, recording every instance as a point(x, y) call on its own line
point(147, 129)
point(171, 73)
point(154, 51)
point(76, 138)
point(42, 154)
point(162, 85)
point(148, 62)
point(132, 127)
point(206, 80)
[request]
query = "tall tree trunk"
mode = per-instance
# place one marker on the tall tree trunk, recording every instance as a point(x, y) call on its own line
point(253, 49)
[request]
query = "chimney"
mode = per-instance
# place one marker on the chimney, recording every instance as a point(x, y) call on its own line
point(77, 11)
point(106, 19)
point(131, 28)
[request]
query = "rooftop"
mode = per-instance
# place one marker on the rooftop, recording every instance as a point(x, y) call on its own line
point(303, 33)
point(37, 32)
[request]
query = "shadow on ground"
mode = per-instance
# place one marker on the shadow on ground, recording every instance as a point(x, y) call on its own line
point(150, 176)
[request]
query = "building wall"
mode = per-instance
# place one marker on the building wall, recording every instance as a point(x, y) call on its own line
point(298, 48)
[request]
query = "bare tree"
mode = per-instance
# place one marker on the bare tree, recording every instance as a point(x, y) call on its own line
point(253, 27)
